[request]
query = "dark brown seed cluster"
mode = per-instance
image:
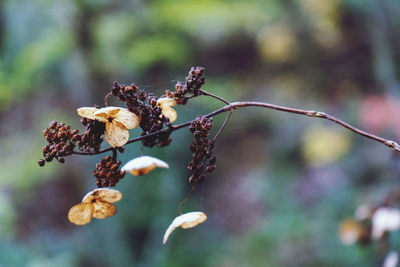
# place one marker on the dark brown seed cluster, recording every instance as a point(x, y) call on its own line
point(131, 95)
point(151, 118)
point(203, 160)
point(61, 142)
point(193, 83)
point(107, 172)
point(91, 140)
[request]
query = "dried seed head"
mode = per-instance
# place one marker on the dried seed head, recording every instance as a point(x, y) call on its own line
point(187, 220)
point(143, 165)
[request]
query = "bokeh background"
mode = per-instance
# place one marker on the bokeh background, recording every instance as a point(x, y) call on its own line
point(283, 183)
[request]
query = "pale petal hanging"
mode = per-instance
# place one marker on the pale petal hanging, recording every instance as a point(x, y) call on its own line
point(116, 134)
point(103, 194)
point(170, 113)
point(187, 220)
point(385, 219)
point(103, 209)
point(129, 119)
point(165, 104)
point(81, 214)
point(142, 165)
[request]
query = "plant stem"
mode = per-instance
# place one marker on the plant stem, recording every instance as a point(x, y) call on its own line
point(236, 105)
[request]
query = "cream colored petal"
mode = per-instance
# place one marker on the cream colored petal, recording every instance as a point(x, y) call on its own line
point(81, 214)
point(166, 102)
point(88, 113)
point(129, 119)
point(170, 113)
point(385, 219)
point(116, 134)
point(107, 112)
point(187, 220)
point(103, 209)
point(142, 165)
point(103, 194)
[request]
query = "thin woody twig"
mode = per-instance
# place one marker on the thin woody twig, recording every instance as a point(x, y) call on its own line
point(236, 105)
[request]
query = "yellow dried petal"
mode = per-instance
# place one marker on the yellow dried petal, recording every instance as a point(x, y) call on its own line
point(166, 102)
point(170, 113)
point(116, 134)
point(89, 113)
point(142, 165)
point(103, 209)
point(129, 119)
point(187, 220)
point(103, 194)
point(107, 112)
point(351, 231)
point(81, 214)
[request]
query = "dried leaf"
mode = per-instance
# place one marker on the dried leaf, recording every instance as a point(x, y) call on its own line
point(187, 220)
point(165, 104)
point(81, 214)
point(143, 165)
point(116, 134)
point(103, 209)
point(103, 194)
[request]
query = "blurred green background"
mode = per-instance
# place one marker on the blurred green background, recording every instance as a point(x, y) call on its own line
point(283, 183)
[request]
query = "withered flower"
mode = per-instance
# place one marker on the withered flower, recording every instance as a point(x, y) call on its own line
point(118, 121)
point(165, 104)
point(97, 204)
point(187, 220)
point(142, 165)
point(385, 219)
point(351, 231)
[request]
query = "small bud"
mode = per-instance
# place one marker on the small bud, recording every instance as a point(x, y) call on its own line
point(41, 162)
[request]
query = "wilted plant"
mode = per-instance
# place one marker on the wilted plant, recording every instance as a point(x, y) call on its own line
point(155, 117)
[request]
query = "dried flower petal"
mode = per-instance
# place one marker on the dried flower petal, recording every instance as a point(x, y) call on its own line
point(81, 213)
point(187, 220)
point(128, 119)
point(385, 219)
point(391, 259)
point(89, 113)
point(103, 194)
point(116, 134)
point(103, 209)
point(142, 165)
point(351, 231)
point(165, 104)
point(107, 112)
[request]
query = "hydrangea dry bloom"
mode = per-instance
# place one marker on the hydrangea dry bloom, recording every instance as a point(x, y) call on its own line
point(165, 104)
point(118, 121)
point(187, 220)
point(97, 204)
point(142, 165)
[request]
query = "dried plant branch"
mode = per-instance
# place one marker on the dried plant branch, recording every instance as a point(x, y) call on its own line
point(236, 105)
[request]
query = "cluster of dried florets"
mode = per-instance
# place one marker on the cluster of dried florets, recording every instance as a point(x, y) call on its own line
point(93, 136)
point(107, 172)
point(193, 83)
point(60, 142)
point(155, 117)
point(203, 160)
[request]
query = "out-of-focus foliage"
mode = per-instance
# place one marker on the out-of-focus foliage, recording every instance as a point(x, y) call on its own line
point(283, 184)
